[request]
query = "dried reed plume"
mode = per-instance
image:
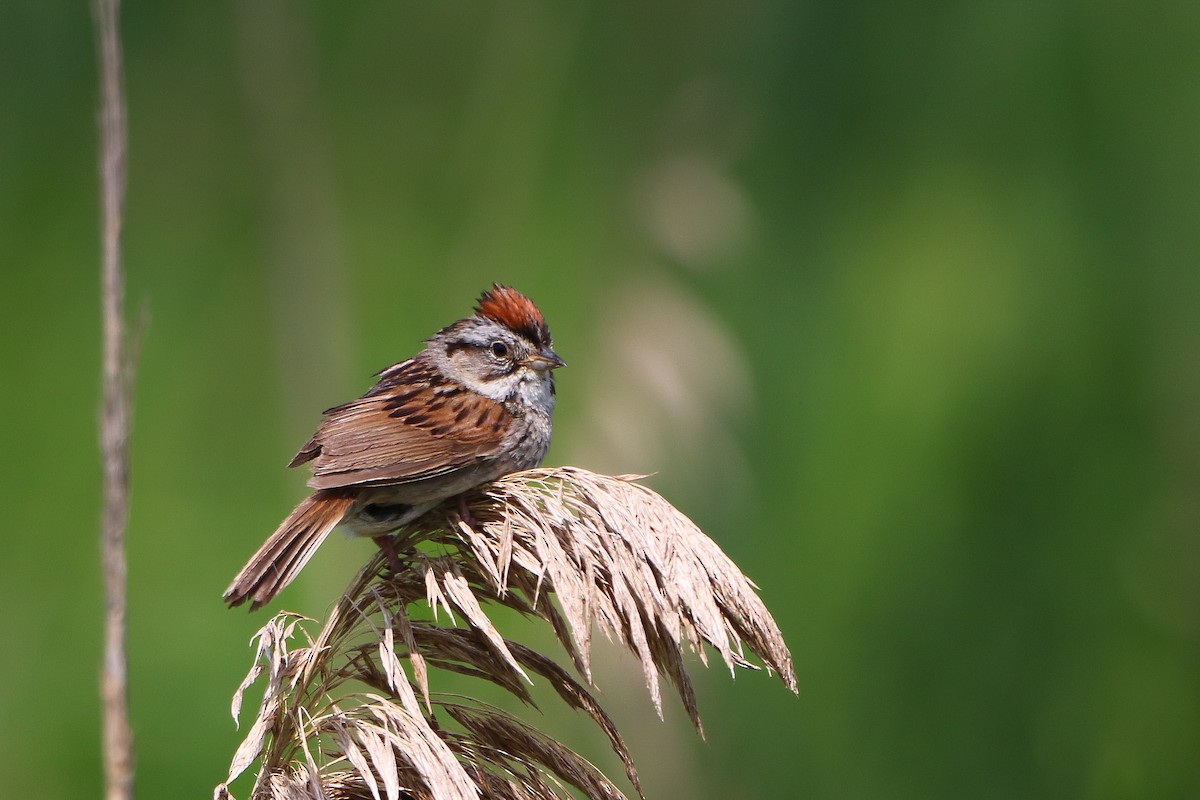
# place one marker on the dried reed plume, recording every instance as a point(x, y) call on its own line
point(343, 717)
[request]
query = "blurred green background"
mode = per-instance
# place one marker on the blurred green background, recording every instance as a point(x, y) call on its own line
point(900, 303)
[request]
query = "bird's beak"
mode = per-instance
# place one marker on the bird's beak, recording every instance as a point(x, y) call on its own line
point(545, 359)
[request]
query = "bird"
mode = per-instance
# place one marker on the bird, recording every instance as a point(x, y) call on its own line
point(475, 404)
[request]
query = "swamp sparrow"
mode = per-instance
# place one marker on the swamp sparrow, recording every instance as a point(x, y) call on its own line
point(474, 405)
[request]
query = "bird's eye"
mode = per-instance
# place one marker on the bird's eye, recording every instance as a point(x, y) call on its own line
point(499, 349)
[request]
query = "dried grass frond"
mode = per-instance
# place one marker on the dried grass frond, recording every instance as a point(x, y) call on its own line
point(350, 713)
point(617, 555)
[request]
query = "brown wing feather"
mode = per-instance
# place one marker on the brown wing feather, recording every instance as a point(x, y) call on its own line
point(412, 425)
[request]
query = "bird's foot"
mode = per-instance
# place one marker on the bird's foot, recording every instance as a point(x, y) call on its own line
point(389, 549)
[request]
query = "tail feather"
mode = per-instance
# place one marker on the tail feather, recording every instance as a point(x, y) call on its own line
point(288, 549)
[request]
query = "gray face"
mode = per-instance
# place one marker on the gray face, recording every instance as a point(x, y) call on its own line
point(494, 361)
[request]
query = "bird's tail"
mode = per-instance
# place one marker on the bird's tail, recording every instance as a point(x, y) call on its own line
point(288, 549)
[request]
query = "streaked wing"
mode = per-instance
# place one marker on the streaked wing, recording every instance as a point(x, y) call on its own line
point(413, 424)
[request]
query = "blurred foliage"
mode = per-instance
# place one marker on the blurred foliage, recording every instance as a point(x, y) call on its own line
point(899, 302)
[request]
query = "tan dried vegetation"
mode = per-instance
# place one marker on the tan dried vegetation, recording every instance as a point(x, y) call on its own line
point(350, 713)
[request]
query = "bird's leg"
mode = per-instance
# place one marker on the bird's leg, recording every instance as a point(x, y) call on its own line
point(465, 512)
point(389, 550)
